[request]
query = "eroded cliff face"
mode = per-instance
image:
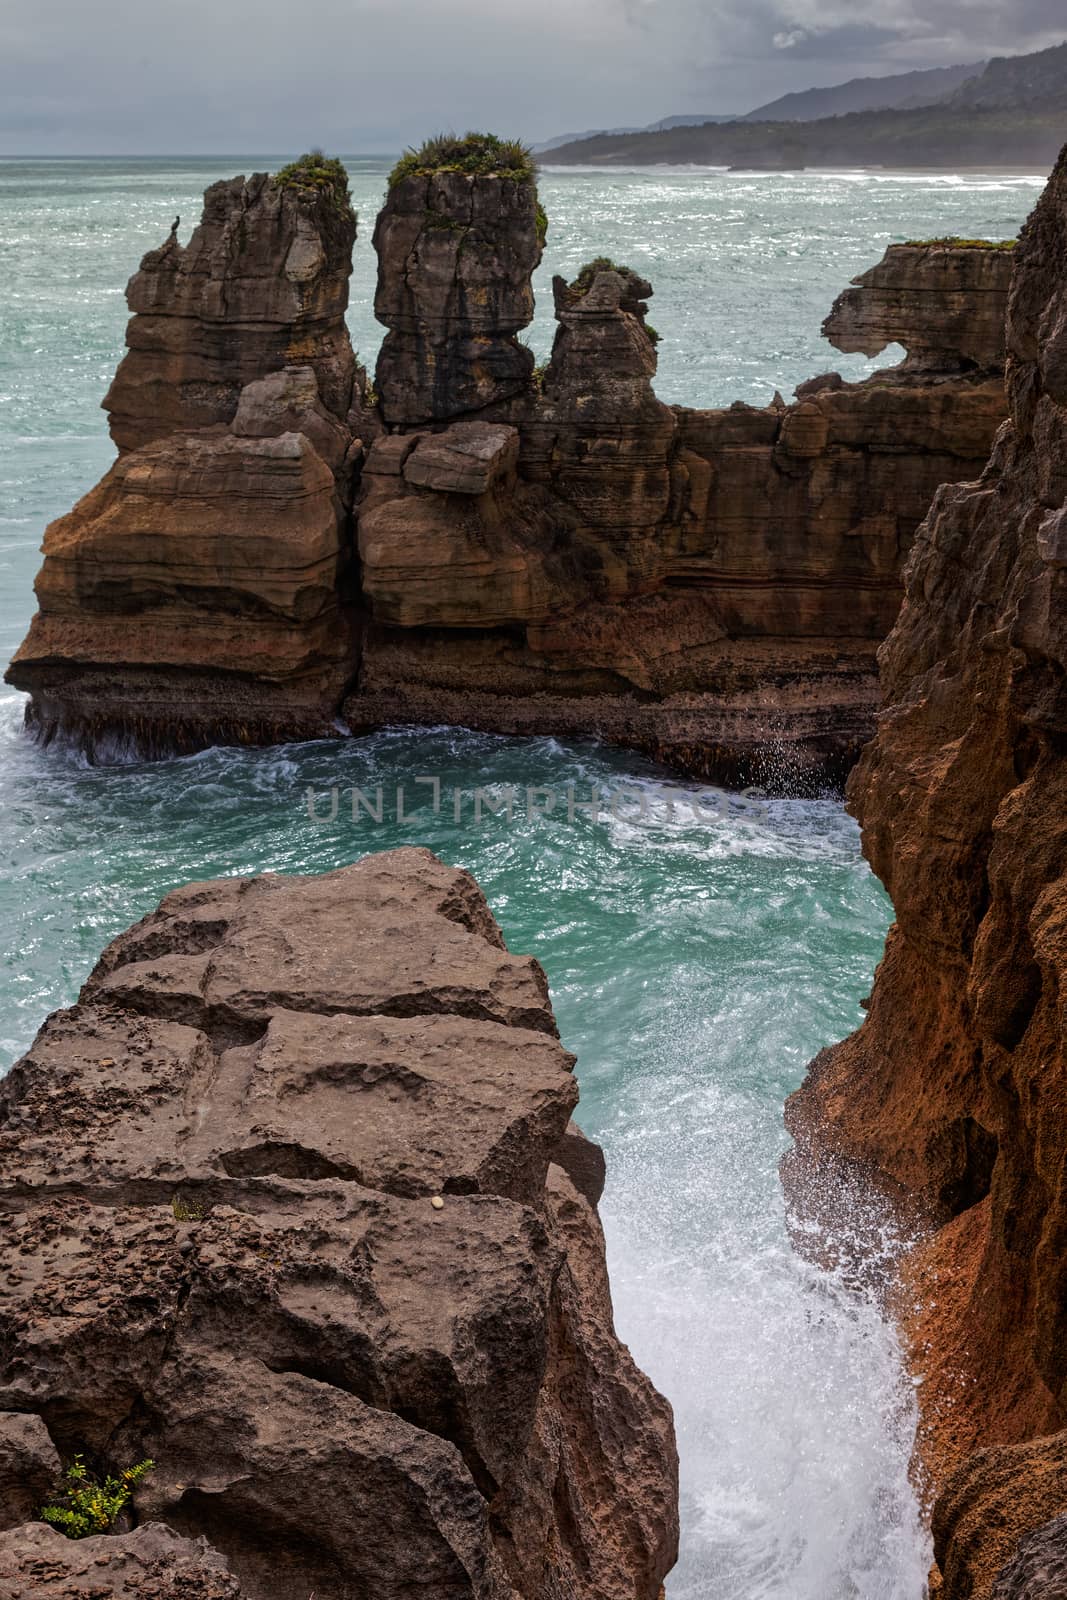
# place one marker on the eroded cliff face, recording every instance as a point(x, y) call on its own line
point(202, 591)
point(455, 258)
point(953, 1094)
point(291, 1204)
point(943, 301)
point(707, 586)
point(261, 285)
point(553, 552)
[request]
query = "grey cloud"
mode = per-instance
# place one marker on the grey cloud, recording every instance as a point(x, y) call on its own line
point(265, 76)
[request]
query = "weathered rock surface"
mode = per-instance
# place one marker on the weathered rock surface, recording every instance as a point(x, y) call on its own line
point(279, 1211)
point(1039, 1570)
point(29, 1466)
point(261, 285)
point(954, 1091)
point(455, 257)
point(989, 1508)
point(151, 1563)
point(944, 302)
point(558, 552)
point(201, 591)
point(708, 586)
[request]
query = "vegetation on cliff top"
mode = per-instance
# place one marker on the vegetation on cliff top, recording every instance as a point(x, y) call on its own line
point(480, 155)
point(314, 173)
point(581, 285)
point(587, 275)
point(953, 242)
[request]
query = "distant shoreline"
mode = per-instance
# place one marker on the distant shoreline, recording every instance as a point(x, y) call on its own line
point(737, 171)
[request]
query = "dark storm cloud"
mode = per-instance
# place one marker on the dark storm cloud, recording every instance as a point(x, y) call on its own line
point(267, 75)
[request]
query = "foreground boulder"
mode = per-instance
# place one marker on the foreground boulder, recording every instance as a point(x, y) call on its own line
point(281, 1212)
point(952, 1094)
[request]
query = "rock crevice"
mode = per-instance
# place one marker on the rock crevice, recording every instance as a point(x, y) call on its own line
point(952, 1094)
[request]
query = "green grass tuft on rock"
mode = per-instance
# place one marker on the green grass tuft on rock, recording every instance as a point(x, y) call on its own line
point(86, 1505)
point(314, 174)
point(480, 155)
point(587, 276)
point(952, 242)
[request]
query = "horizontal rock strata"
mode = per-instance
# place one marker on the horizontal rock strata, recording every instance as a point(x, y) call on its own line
point(455, 258)
point(953, 1094)
point(279, 1209)
point(202, 591)
point(524, 552)
point(708, 586)
point(943, 301)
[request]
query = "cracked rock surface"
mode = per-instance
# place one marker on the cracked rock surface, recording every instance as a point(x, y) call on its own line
point(220, 1248)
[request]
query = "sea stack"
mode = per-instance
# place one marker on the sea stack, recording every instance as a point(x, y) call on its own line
point(201, 592)
point(458, 239)
point(281, 552)
point(707, 586)
point(952, 1094)
point(288, 1209)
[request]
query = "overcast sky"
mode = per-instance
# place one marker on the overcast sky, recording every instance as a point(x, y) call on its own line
point(272, 76)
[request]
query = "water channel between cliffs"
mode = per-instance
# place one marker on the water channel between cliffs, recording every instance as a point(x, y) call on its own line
point(697, 961)
point(699, 954)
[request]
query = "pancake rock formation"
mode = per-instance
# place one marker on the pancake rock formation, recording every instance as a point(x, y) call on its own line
point(707, 586)
point(476, 541)
point(201, 592)
point(953, 1093)
point(292, 1205)
point(455, 256)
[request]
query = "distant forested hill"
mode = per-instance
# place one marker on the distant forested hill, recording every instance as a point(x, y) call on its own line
point(1012, 113)
point(866, 94)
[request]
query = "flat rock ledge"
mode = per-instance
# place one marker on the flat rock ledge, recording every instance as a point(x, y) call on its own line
point(280, 1208)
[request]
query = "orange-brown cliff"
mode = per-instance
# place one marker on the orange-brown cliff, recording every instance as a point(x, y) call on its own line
point(953, 1093)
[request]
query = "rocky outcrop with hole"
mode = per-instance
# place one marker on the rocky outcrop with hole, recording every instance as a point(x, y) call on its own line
point(943, 300)
point(281, 1211)
point(953, 1094)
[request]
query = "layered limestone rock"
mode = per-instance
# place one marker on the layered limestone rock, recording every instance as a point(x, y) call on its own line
point(953, 1094)
point(456, 251)
point(200, 592)
point(708, 586)
point(553, 552)
point(261, 285)
point(944, 301)
point(281, 1211)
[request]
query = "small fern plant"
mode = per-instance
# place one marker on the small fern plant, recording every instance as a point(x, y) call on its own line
point(85, 1505)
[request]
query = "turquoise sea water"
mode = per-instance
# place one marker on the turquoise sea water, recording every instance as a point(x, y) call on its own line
point(698, 956)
